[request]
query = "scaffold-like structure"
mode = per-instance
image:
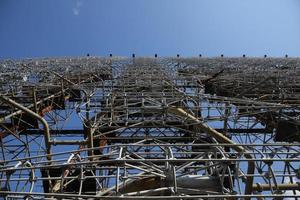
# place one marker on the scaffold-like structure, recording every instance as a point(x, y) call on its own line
point(150, 128)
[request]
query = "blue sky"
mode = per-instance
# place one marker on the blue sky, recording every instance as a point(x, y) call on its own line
point(40, 28)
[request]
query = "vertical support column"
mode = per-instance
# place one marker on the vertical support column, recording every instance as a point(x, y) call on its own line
point(225, 128)
point(118, 171)
point(90, 130)
point(34, 100)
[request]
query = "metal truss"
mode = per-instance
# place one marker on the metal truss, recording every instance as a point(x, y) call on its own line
point(151, 128)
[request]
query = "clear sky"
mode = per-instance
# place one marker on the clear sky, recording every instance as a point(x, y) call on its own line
point(40, 28)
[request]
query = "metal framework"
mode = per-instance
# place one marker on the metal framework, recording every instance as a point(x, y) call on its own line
point(151, 128)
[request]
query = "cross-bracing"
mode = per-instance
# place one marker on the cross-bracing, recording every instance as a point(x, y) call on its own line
point(121, 128)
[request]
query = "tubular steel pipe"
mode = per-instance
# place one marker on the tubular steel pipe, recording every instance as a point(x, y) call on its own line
point(76, 196)
point(284, 186)
point(29, 106)
point(67, 142)
point(36, 116)
point(220, 137)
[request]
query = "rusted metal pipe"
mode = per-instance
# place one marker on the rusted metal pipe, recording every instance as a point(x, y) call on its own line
point(284, 186)
point(220, 137)
point(36, 116)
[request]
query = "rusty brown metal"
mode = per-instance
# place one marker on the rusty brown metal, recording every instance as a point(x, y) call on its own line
point(174, 128)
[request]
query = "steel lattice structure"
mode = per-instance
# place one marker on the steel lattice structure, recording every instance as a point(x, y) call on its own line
point(133, 128)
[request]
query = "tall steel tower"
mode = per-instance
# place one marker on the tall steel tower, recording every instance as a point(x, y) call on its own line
point(150, 128)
